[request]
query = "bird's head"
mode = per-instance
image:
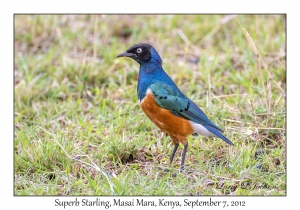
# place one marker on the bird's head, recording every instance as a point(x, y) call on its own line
point(142, 53)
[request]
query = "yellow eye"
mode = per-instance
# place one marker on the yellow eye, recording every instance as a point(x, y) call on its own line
point(139, 50)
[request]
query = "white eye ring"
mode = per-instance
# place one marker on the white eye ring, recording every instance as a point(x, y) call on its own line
point(139, 50)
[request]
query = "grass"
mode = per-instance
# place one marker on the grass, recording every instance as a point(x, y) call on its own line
point(74, 100)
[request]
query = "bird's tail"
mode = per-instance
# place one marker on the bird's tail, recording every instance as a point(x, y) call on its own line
point(218, 134)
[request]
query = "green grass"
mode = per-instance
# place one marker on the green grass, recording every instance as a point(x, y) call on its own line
point(74, 97)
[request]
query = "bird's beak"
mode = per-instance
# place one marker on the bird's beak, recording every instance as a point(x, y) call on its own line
point(125, 54)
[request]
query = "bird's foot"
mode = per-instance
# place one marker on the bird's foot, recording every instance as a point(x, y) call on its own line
point(172, 174)
point(183, 170)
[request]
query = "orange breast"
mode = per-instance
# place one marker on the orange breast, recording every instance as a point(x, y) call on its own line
point(178, 128)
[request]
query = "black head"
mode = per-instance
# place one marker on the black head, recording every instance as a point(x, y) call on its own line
point(139, 52)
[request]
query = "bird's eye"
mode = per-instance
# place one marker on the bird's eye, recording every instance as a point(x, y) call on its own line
point(139, 50)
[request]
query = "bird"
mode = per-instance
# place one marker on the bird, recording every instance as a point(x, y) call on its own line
point(165, 104)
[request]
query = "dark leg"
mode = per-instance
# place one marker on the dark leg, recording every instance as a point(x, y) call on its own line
point(183, 157)
point(173, 153)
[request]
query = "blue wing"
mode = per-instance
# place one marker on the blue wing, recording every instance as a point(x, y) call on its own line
point(173, 99)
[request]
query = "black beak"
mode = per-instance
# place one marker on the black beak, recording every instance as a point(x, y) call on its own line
point(126, 54)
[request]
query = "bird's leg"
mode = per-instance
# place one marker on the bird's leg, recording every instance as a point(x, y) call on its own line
point(173, 153)
point(183, 157)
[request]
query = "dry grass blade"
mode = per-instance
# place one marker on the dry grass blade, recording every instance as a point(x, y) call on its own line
point(188, 42)
point(225, 20)
point(95, 37)
point(267, 96)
